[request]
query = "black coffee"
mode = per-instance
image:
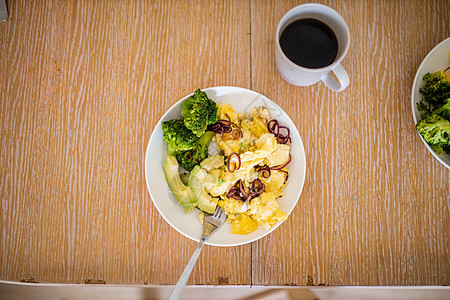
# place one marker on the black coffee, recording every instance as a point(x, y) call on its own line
point(309, 43)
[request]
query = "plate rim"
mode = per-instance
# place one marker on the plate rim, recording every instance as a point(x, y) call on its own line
point(301, 150)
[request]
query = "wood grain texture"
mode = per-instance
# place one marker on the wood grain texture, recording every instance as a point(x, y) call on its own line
point(83, 84)
point(375, 206)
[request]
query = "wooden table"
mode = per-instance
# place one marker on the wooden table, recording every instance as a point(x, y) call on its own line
point(83, 85)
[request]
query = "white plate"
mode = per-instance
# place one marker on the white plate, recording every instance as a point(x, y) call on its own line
point(436, 60)
point(242, 100)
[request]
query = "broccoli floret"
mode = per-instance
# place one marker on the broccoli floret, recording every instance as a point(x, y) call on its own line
point(194, 115)
point(212, 111)
point(441, 149)
point(177, 136)
point(444, 110)
point(446, 148)
point(423, 108)
point(198, 111)
point(436, 88)
point(190, 158)
point(435, 130)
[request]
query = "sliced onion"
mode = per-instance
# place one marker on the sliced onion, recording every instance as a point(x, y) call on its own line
point(286, 172)
point(279, 167)
point(274, 127)
point(240, 192)
point(237, 133)
point(225, 121)
point(250, 197)
point(265, 171)
point(258, 187)
point(220, 127)
point(242, 189)
point(234, 193)
point(223, 126)
point(232, 165)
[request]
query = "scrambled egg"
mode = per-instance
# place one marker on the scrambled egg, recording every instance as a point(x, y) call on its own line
point(256, 148)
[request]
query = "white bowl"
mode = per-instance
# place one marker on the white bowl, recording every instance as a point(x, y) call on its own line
point(437, 59)
point(242, 100)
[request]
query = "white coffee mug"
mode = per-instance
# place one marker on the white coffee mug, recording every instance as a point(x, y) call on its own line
point(302, 76)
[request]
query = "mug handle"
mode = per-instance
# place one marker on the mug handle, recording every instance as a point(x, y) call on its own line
point(341, 75)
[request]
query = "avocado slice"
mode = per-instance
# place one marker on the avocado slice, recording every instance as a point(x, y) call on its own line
point(213, 162)
point(205, 202)
point(182, 193)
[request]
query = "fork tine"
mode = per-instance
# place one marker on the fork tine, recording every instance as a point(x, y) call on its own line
point(218, 211)
point(221, 215)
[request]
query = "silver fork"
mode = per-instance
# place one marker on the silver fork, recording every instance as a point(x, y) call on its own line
point(210, 224)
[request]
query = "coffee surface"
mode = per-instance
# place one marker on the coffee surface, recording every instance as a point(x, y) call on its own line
point(309, 43)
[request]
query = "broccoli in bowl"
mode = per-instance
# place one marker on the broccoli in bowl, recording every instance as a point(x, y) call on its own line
point(434, 127)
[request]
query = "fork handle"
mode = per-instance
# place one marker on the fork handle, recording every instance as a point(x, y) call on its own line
point(176, 293)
